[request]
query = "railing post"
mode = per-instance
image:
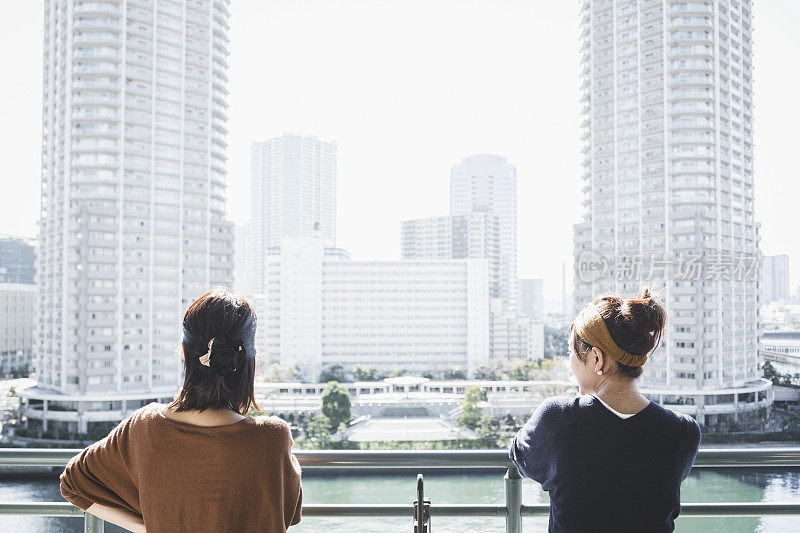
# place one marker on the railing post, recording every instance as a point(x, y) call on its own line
point(92, 524)
point(513, 482)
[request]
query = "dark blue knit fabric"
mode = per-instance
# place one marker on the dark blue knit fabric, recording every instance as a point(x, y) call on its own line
point(604, 473)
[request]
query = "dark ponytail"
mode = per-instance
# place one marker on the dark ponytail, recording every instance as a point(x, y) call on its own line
point(636, 325)
point(219, 331)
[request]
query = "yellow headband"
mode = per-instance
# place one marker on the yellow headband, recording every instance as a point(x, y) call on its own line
point(591, 327)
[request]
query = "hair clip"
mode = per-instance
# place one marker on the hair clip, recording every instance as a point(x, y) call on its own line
point(206, 359)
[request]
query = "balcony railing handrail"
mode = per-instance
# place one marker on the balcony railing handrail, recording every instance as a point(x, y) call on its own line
point(512, 511)
point(762, 457)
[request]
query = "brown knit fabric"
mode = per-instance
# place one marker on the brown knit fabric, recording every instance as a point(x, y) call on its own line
point(180, 477)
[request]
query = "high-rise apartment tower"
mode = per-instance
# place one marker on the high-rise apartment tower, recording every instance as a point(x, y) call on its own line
point(667, 94)
point(132, 222)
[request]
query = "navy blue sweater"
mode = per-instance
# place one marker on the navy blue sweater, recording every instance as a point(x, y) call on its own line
point(605, 473)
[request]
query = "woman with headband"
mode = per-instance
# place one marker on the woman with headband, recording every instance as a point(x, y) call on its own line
point(199, 463)
point(610, 459)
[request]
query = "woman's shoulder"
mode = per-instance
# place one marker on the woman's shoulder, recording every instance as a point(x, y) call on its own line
point(145, 414)
point(688, 426)
point(557, 412)
point(273, 426)
point(561, 406)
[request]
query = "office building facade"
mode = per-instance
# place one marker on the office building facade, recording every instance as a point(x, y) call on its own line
point(17, 260)
point(324, 310)
point(468, 236)
point(513, 337)
point(17, 319)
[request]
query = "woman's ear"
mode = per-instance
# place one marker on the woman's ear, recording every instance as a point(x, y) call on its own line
point(598, 359)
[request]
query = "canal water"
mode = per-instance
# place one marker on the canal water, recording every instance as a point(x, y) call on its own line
point(483, 488)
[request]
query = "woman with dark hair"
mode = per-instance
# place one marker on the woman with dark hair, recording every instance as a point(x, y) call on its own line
point(611, 460)
point(199, 463)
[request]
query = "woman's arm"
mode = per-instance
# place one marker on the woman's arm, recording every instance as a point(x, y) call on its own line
point(101, 474)
point(120, 517)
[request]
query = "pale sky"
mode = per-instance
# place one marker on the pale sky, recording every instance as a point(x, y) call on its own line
point(409, 87)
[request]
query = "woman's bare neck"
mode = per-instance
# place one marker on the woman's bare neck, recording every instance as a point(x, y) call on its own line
point(207, 418)
point(622, 396)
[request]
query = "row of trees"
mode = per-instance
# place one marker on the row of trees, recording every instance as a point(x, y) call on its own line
point(334, 416)
point(518, 370)
point(488, 428)
point(784, 380)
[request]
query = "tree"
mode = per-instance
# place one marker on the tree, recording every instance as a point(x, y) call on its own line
point(454, 373)
point(488, 428)
point(366, 373)
point(770, 373)
point(524, 370)
point(276, 373)
point(336, 404)
point(332, 373)
point(510, 422)
point(396, 373)
point(471, 411)
point(319, 430)
point(486, 373)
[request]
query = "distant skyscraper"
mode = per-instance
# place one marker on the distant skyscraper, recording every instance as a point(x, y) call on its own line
point(17, 303)
point(469, 236)
point(17, 259)
point(487, 183)
point(774, 278)
point(530, 297)
point(133, 197)
point(668, 183)
point(292, 194)
point(17, 320)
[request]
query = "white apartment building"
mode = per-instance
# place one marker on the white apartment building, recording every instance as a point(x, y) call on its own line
point(774, 278)
point(468, 236)
point(292, 194)
point(323, 309)
point(667, 93)
point(486, 183)
point(513, 336)
point(17, 318)
point(133, 223)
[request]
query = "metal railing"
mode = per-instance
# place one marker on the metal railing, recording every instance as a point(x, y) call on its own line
point(512, 510)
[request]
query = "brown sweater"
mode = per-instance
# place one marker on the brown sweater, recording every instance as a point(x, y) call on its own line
point(240, 477)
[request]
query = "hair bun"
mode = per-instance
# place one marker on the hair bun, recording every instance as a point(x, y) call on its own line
point(644, 314)
point(225, 355)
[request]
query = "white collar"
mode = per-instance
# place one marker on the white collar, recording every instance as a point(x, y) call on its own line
point(621, 415)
